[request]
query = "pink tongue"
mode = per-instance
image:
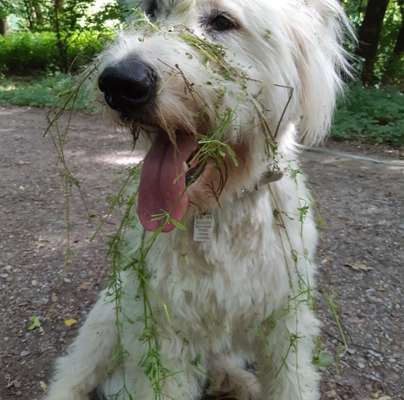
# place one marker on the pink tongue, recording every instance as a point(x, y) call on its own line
point(162, 182)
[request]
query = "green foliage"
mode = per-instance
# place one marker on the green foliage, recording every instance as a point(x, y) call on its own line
point(371, 114)
point(384, 69)
point(44, 92)
point(323, 359)
point(25, 53)
point(39, 15)
point(6, 8)
point(355, 10)
point(83, 46)
point(65, 19)
point(44, 15)
point(391, 27)
point(115, 11)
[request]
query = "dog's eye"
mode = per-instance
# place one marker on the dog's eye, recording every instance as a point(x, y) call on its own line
point(222, 23)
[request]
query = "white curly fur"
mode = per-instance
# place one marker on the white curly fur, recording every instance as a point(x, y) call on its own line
point(237, 298)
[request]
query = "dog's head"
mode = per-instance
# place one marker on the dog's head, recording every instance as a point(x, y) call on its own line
point(217, 84)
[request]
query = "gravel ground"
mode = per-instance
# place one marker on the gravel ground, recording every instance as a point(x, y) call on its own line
point(361, 254)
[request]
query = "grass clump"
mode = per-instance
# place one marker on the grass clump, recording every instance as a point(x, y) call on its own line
point(136, 261)
point(46, 91)
point(212, 145)
point(214, 53)
point(214, 148)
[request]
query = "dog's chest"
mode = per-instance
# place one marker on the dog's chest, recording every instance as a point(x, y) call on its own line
point(231, 280)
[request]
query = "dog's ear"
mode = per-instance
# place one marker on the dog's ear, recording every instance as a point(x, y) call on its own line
point(322, 63)
point(153, 8)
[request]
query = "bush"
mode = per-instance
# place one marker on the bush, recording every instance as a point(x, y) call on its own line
point(371, 114)
point(84, 46)
point(26, 53)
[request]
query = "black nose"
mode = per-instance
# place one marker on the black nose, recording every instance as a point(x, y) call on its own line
point(128, 85)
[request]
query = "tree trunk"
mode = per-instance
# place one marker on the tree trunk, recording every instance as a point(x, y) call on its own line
point(38, 14)
point(369, 36)
point(28, 13)
point(3, 26)
point(395, 65)
point(60, 39)
point(399, 47)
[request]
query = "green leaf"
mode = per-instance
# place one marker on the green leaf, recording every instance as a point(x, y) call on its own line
point(35, 323)
point(323, 359)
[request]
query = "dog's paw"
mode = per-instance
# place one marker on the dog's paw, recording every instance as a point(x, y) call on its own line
point(228, 380)
point(65, 396)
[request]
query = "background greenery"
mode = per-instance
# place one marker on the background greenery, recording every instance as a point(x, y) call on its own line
point(43, 42)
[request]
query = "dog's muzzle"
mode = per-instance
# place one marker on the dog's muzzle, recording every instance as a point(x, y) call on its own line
point(128, 86)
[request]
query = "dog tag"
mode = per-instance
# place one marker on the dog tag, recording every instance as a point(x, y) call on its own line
point(203, 227)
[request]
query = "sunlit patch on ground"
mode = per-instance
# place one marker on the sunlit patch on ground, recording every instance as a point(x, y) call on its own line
point(121, 159)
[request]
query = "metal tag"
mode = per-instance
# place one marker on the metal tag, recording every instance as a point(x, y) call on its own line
point(203, 227)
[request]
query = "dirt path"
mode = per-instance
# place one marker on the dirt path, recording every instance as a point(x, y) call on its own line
point(361, 255)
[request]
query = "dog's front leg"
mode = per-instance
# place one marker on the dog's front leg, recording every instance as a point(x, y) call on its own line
point(185, 378)
point(177, 377)
point(87, 359)
point(285, 368)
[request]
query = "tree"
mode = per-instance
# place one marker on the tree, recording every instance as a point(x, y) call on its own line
point(395, 65)
point(66, 17)
point(369, 36)
point(5, 9)
point(399, 47)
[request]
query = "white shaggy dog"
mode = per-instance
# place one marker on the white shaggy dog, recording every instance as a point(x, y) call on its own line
point(224, 89)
